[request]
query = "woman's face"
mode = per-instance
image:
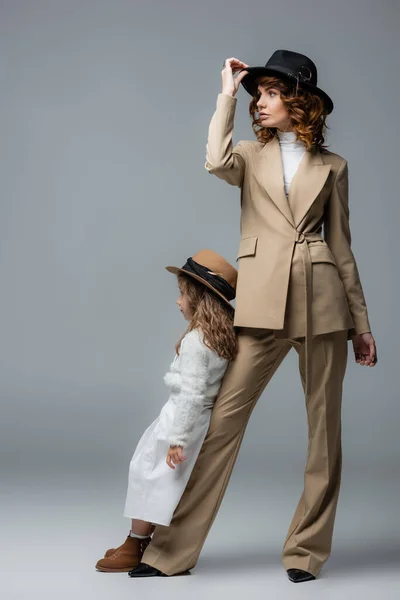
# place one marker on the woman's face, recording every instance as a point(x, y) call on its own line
point(183, 303)
point(272, 111)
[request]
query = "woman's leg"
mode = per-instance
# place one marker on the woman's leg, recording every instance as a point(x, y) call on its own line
point(308, 542)
point(177, 547)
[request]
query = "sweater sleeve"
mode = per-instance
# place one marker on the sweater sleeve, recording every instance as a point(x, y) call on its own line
point(194, 359)
point(338, 237)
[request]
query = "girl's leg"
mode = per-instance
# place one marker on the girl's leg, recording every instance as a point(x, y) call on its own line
point(128, 555)
point(141, 527)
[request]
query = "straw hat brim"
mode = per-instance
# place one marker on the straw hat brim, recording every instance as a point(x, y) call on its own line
point(177, 270)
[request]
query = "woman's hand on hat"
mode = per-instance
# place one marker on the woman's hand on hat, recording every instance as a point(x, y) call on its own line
point(365, 349)
point(230, 84)
point(175, 456)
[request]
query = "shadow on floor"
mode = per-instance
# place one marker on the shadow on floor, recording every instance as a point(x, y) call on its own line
point(349, 559)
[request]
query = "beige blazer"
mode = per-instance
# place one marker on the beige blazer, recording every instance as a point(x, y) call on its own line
point(290, 278)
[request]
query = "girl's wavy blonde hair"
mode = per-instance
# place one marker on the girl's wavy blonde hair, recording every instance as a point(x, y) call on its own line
point(212, 315)
point(306, 111)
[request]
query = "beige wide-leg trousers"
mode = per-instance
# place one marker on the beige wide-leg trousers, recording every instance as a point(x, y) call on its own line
point(308, 542)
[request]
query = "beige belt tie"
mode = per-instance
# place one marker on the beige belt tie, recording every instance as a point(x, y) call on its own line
point(303, 239)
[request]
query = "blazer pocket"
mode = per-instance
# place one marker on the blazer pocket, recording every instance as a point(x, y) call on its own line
point(321, 253)
point(247, 247)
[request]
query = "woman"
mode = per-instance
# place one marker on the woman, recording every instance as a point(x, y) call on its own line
point(293, 284)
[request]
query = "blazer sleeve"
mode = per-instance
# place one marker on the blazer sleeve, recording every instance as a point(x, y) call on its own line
point(338, 237)
point(222, 159)
point(194, 361)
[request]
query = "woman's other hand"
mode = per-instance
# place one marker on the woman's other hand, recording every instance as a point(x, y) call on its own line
point(230, 84)
point(175, 456)
point(365, 349)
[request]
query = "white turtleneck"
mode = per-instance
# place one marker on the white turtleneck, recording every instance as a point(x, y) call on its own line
point(292, 152)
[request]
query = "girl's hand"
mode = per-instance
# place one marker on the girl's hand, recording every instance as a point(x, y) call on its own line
point(365, 349)
point(230, 84)
point(175, 455)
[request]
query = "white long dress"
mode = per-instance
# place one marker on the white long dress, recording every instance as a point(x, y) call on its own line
point(194, 380)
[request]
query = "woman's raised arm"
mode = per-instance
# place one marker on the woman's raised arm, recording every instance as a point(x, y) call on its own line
point(222, 159)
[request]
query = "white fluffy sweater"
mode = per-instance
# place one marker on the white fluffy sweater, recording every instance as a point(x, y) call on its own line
point(194, 380)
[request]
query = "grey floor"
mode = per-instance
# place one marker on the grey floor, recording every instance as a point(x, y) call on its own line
point(54, 530)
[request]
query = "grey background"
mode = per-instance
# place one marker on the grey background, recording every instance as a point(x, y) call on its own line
point(104, 112)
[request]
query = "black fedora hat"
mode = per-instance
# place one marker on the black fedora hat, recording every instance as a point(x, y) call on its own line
point(288, 65)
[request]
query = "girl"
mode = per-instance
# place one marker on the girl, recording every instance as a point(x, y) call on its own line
point(166, 453)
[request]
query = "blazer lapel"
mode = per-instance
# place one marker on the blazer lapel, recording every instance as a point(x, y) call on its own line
point(269, 172)
point(306, 184)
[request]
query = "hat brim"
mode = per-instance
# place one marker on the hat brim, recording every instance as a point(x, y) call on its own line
point(177, 270)
point(250, 85)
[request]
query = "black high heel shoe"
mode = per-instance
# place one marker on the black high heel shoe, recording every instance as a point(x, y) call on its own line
point(298, 575)
point(145, 570)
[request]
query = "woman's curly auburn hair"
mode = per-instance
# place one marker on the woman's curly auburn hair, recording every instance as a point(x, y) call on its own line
point(212, 315)
point(305, 109)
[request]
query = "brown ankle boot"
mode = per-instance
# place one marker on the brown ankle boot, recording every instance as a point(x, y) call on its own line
point(125, 557)
point(112, 550)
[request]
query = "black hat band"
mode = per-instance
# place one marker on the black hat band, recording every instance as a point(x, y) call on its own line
point(218, 282)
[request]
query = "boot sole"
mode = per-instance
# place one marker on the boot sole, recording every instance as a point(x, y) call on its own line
point(125, 570)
